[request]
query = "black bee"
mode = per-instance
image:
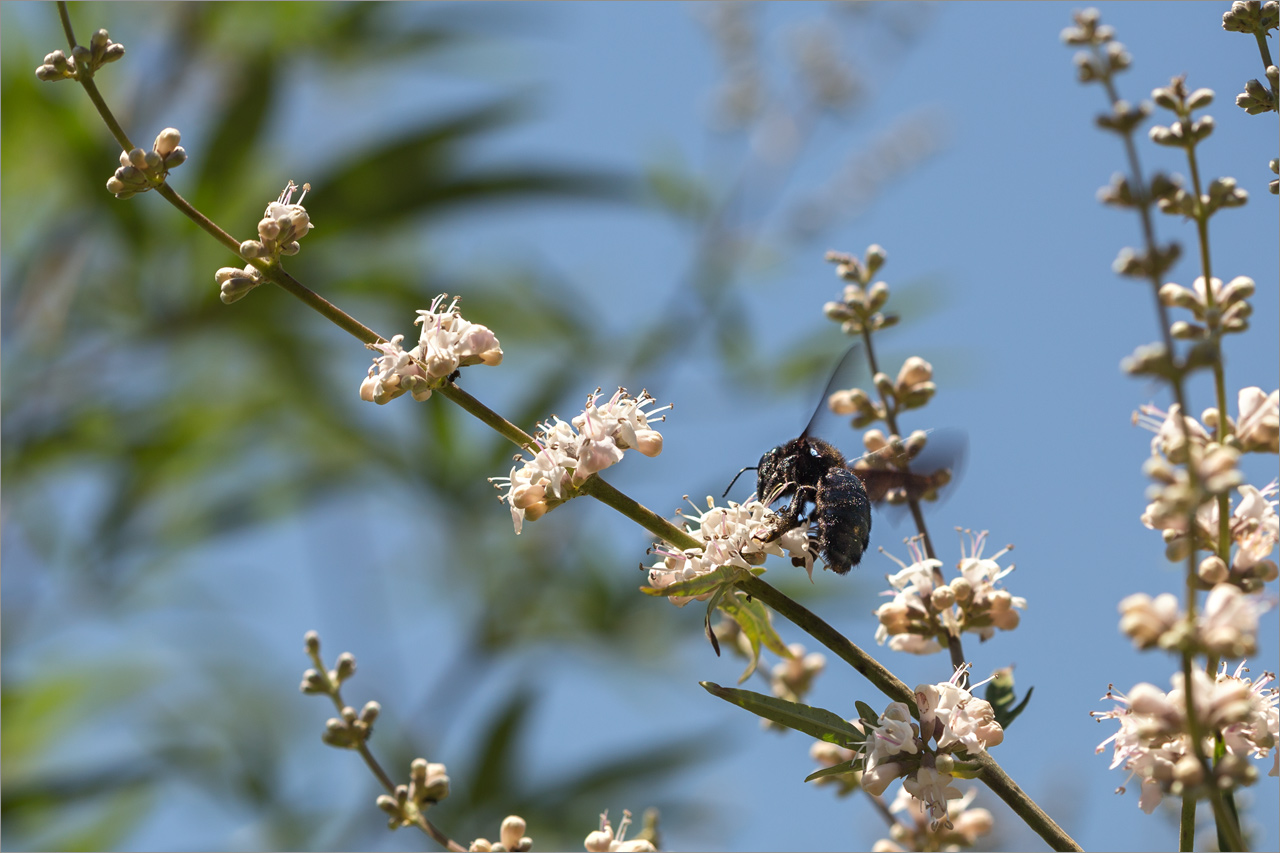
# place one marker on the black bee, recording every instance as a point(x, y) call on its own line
point(814, 473)
point(811, 471)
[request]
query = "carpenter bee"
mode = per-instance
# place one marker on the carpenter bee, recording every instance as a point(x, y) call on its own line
point(812, 472)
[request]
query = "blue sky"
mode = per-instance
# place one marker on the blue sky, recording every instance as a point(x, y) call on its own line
point(998, 231)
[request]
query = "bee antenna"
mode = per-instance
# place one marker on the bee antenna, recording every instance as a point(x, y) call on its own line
point(735, 479)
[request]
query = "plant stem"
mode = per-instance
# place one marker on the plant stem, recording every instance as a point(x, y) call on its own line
point(335, 696)
point(1034, 816)
point(813, 625)
point(955, 648)
point(640, 514)
point(1187, 824)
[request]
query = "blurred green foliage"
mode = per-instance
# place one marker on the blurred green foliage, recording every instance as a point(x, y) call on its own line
point(144, 421)
point(150, 431)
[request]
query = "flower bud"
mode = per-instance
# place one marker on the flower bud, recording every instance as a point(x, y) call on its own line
point(167, 141)
point(876, 256)
point(1212, 570)
point(346, 667)
point(512, 831)
point(873, 439)
point(877, 296)
point(942, 597)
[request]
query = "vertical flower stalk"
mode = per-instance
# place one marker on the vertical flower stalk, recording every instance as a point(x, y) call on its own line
point(859, 313)
point(1194, 464)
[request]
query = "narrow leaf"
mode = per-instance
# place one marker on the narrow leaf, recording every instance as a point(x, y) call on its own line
point(1000, 693)
point(818, 723)
point(840, 769)
point(866, 712)
point(700, 585)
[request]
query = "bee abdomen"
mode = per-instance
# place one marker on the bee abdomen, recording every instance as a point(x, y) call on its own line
point(843, 516)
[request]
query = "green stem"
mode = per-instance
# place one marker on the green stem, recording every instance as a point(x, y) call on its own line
point(813, 625)
point(91, 89)
point(1187, 824)
point(1265, 51)
point(992, 774)
point(1014, 797)
point(640, 514)
point(489, 417)
point(335, 696)
point(955, 649)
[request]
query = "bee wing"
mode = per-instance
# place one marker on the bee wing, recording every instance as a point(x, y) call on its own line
point(841, 377)
point(940, 463)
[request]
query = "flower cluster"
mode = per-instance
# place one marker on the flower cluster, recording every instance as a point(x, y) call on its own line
point(569, 453)
point(428, 785)
point(83, 62)
point(1154, 741)
point(281, 226)
point(923, 611)
point(859, 307)
point(728, 537)
point(960, 725)
point(791, 678)
point(1226, 307)
point(1255, 18)
point(1227, 627)
point(141, 170)
point(912, 389)
point(446, 343)
point(962, 828)
point(1254, 526)
point(511, 838)
point(603, 840)
point(284, 223)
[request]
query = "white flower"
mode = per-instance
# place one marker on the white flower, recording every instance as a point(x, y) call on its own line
point(924, 611)
point(1170, 439)
point(728, 537)
point(1258, 420)
point(933, 789)
point(446, 342)
point(1228, 625)
point(393, 373)
point(603, 840)
point(1153, 741)
point(1147, 620)
point(567, 453)
point(954, 717)
point(283, 224)
point(792, 678)
point(1255, 527)
point(962, 827)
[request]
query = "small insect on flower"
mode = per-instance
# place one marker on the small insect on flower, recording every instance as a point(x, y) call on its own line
point(811, 471)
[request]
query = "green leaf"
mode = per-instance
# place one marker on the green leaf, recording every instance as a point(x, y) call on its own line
point(712, 603)
point(700, 585)
point(1001, 695)
point(852, 766)
point(818, 723)
point(754, 620)
point(866, 712)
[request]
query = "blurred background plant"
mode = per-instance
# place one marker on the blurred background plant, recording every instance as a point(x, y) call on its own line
point(188, 484)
